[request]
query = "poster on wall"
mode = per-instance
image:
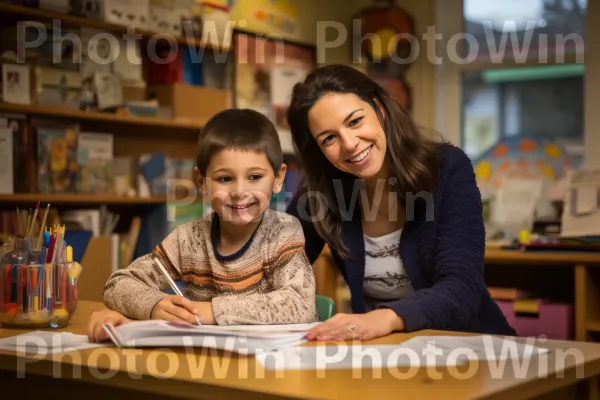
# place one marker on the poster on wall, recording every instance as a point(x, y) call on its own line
point(265, 74)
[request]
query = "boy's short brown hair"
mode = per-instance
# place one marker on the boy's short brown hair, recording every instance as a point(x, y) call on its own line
point(242, 129)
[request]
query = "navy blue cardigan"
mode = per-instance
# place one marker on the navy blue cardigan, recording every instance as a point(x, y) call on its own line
point(443, 256)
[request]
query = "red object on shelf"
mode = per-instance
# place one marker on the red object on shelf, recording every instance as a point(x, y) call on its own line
point(165, 73)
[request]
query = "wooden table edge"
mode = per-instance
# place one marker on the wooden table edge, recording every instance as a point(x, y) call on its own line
point(173, 386)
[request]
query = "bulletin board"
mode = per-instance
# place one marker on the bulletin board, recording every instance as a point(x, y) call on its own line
point(264, 73)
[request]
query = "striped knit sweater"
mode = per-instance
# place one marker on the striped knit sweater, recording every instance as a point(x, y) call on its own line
point(269, 281)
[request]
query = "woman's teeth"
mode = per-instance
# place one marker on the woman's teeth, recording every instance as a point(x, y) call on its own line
point(361, 155)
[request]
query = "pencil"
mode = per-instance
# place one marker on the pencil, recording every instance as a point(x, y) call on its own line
point(19, 229)
point(42, 228)
point(175, 288)
point(35, 213)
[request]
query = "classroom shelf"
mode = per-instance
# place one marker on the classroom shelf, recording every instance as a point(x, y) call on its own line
point(54, 199)
point(59, 112)
point(493, 256)
point(593, 326)
point(12, 11)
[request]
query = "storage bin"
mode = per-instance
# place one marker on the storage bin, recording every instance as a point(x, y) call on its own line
point(188, 102)
point(539, 318)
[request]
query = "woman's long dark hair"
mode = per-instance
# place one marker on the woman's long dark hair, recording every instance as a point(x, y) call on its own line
point(412, 158)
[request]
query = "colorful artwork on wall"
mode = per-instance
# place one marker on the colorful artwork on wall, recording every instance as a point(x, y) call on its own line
point(523, 157)
point(384, 37)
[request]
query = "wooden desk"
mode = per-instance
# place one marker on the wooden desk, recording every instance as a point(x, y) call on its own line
point(205, 374)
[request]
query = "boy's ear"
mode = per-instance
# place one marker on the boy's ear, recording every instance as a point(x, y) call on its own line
point(199, 180)
point(280, 178)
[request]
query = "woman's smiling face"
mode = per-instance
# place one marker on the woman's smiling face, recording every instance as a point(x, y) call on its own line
point(349, 133)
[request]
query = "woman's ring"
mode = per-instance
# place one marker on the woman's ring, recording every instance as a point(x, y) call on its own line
point(351, 327)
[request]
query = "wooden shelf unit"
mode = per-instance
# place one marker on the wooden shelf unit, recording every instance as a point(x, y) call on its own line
point(58, 112)
point(593, 326)
point(77, 198)
point(12, 11)
point(497, 256)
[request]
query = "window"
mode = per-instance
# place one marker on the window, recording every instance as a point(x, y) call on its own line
point(525, 29)
point(525, 80)
point(539, 102)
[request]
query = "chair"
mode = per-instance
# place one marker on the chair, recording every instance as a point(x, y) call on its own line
point(325, 307)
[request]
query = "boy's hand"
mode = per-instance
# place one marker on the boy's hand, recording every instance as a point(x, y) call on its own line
point(176, 309)
point(205, 312)
point(95, 332)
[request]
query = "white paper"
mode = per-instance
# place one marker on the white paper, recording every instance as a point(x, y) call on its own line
point(424, 351)
point(235, 344)
point(587, 200)
point(580, 217)
point(517, 200)
point(6, 161)
point(44, 342)
point(15, 84)
point(265, 328)
point(158, 328)
point(246, 339)
point(484, 347)
point(109, 90)
point(128, 64)
point(97, 51)
point(283, 79)
point(94, 146)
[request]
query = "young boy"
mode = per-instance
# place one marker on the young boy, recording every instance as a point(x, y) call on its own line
point(244, 263)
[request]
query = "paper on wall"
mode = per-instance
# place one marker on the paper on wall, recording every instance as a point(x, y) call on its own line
point(581, 211)
point(516, 202)
point(283, 79)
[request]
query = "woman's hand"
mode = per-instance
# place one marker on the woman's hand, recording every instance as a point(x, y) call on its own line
point(176, 308)
point(95, 332)
point(367, 326)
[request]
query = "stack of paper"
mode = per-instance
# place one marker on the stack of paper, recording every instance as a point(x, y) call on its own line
point(247, 339)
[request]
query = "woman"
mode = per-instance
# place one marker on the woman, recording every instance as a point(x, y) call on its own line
point(402, 214)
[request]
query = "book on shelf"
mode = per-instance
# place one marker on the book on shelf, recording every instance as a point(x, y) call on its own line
point(57, 157)
point(247, 339)
point(95, 161)
point(7, 176)
point(22, 150)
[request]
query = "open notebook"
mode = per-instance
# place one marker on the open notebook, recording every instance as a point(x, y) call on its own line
point(246, 339)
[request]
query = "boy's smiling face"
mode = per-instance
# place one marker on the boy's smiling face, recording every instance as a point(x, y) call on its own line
point(239, 184)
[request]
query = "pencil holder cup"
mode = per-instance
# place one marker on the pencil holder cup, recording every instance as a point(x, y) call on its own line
point(38, 295)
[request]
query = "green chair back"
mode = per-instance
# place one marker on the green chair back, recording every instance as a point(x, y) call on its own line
point(325, 307)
